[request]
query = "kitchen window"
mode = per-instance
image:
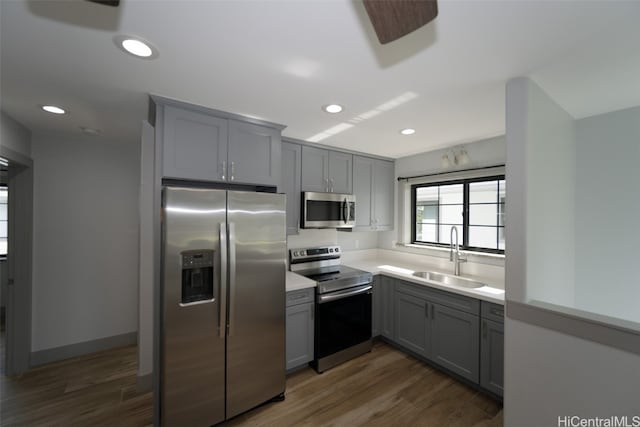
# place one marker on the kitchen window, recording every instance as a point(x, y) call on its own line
point(4, 220)
point(475, 206)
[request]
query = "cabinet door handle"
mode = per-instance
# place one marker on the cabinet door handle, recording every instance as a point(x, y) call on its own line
point(233, 169)
point(433, 312)
point(497, 312)
point(326, 185)
point(331, 181)
point(224, 170)
point(484, 329)
point(426, 310)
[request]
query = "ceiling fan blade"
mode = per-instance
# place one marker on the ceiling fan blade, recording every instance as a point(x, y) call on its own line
point(114, 3)
point(393, 19)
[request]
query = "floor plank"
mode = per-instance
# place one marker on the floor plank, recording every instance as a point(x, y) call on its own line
point(382, 388)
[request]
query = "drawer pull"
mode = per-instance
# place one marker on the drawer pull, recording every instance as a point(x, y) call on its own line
point(497, 312)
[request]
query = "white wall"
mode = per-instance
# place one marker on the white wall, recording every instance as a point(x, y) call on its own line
point(348, 241)
point(14, 136)
point(550, 182)
point(549, 374)
point(607, 211)
point(85, 278)
point(483, 153)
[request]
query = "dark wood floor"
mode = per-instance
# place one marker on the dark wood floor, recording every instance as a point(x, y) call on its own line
point(382, 388)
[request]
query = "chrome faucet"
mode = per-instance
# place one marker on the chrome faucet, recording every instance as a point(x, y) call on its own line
point(454, 255)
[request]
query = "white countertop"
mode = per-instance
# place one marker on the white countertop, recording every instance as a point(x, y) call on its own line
point(295, 281)
point(492, 293)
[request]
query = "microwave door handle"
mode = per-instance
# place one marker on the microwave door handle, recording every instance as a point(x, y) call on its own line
point(345, 208)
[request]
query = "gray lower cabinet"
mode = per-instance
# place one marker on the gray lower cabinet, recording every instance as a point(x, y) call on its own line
point(373, 186)
point(326, 171)
point(290, 183)
point(412, 323)
point(455, 341)
point(387, 309)
point(207, 145)
point(453, 331)
point(376, 308)
point(492, 350)
point(300, 327)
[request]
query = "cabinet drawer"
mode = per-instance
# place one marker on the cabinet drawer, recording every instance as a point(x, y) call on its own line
point(492, 311)
point(300, 296)
point(459, 302)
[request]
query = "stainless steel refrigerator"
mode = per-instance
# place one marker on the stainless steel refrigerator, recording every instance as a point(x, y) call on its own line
point(222, 303)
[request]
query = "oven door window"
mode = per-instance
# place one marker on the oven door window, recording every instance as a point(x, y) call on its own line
point(341, 324)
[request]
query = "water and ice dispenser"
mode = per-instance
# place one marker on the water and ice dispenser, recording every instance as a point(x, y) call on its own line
point(197, 276)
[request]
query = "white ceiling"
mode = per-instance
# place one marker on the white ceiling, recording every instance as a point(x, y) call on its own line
point(282, 60)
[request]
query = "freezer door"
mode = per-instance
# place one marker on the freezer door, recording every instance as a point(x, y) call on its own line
point(256, 340)
point(192, 345)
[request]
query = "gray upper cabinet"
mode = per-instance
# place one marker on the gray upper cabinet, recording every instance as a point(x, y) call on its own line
point(254, 154)
point(290, 183)
point(208, 145)
point(340, 172)
point(383, 194)
point(373, 186)
point(315, 169)
point(194, 145)
point(326, 171)
point(455, 341)
point(363, 190)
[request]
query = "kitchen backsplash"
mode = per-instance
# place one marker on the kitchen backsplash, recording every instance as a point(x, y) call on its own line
point(348, 241)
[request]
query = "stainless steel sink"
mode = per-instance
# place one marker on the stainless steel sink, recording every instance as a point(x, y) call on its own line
point(448, 280)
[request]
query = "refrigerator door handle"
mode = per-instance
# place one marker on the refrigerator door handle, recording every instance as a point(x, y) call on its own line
point(232, 276)
point(222, 321)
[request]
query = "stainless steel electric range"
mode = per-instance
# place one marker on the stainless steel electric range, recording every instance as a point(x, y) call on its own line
point(342, 307)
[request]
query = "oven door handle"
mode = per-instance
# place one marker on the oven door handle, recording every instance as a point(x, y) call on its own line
point(344, 294)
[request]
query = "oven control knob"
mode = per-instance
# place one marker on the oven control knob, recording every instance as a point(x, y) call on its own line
point(303, 253)
point(330, 249)
point(295, 254)
point(337, 249)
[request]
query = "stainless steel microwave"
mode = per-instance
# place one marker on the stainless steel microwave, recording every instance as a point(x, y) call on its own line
point(328, 210)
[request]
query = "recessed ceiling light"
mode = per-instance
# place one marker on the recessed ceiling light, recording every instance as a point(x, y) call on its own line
point(53, 109)
point(332, 108)
point(408, 131)
point(136, 46)
point(90, 131)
